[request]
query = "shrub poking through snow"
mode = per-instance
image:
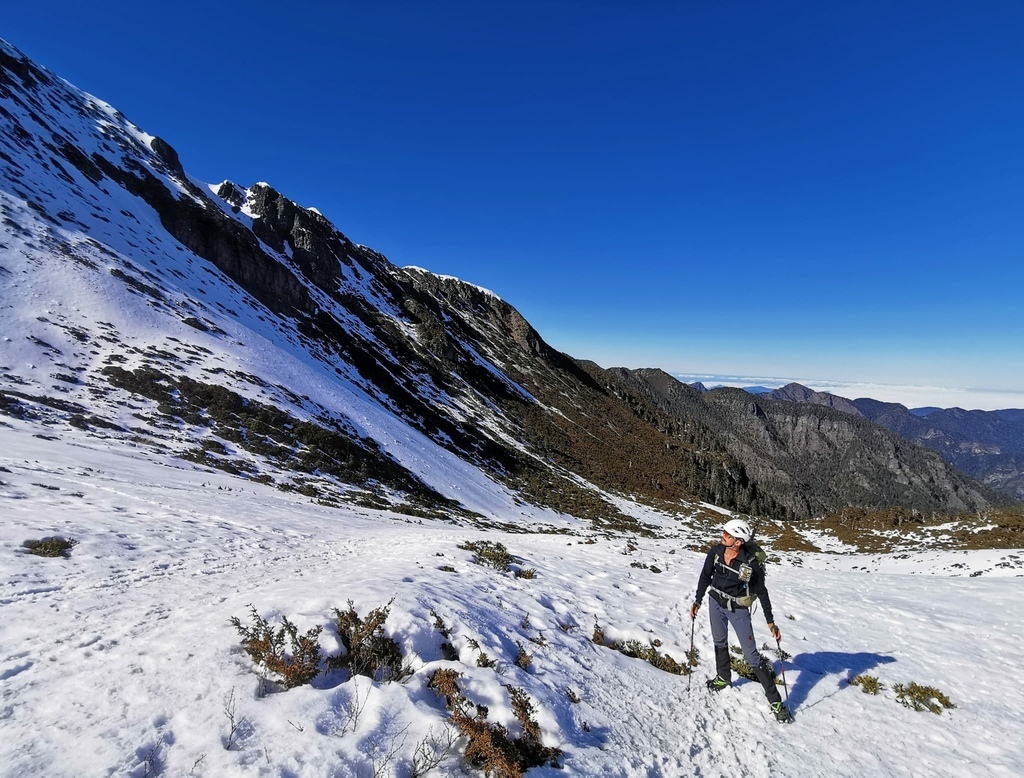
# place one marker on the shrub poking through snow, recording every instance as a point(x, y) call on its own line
point(448, 651)
point(55, 546)
point(693, 657)
point(523, 659)
point(649, 653)
point(444, 683)
point(778, 650)
point(919, 697)
point(482, 659)
point(432, 751)
point(868, 684)
point(490, 748)
point(527, 572)
point(439, 624)
point(488, 553)
point(742, 668)
point(368, 651)
point(296, 664)
point(637, 650)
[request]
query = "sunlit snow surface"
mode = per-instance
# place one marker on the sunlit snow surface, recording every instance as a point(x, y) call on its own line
point(120, 659)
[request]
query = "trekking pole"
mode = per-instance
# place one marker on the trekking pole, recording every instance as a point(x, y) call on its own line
point(782, 667)
point(689, 659)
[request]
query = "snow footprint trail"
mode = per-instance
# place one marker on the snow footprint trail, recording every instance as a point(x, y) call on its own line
point(112, 621)
point(122, 635)
point(729, 733)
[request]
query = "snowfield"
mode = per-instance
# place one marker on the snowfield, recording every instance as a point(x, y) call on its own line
point(120, 660)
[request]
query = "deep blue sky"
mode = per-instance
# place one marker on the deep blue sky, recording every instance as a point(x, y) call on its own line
point(803, 189)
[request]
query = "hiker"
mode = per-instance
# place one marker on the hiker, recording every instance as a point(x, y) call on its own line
point(735, 577)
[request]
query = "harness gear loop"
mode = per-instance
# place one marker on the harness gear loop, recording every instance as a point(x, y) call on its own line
point(732, 602)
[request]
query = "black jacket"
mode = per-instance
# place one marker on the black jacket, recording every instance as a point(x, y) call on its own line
point(726, 578)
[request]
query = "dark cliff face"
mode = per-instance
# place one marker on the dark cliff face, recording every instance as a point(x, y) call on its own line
point(451, 361)
point(837, 459)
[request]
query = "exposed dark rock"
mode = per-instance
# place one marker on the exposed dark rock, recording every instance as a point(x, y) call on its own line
point(168, 156)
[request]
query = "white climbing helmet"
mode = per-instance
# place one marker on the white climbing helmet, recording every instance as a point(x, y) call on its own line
point(738, 529)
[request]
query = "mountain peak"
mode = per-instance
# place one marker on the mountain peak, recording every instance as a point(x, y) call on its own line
point(794, 392)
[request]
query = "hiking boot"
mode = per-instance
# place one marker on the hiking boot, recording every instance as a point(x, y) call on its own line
point(782, 714)
point(716, 684)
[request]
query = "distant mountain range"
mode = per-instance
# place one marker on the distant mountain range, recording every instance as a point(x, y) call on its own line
point(988, 445)
point(226, 327)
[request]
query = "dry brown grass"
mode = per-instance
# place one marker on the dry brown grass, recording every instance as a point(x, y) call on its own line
point(789, 539)
point(895, 528)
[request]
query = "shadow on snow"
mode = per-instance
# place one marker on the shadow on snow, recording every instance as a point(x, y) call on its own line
point(816, 666)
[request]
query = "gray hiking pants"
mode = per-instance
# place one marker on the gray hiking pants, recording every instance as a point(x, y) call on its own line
point(721, 618)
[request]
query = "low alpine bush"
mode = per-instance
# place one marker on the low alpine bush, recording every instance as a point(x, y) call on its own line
point(868, 684)
point(523, 658)
point(368, 650)
point(919, 697)
point(489, 553)
point(742, 667)
point(293, 665)
point(55, 546)
point(650, 654)
point(490, 748)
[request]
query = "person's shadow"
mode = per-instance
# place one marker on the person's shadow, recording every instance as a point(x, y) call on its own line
point(815, 667)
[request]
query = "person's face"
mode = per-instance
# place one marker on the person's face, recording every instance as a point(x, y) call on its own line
point(728, 540)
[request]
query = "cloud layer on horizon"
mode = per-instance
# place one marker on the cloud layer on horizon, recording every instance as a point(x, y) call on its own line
point(969, 398)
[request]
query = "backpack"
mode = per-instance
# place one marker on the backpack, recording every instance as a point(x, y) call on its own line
point(755, 550)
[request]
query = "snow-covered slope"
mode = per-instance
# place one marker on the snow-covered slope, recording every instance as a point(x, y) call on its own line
point(94, 282)
point(120, 660)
